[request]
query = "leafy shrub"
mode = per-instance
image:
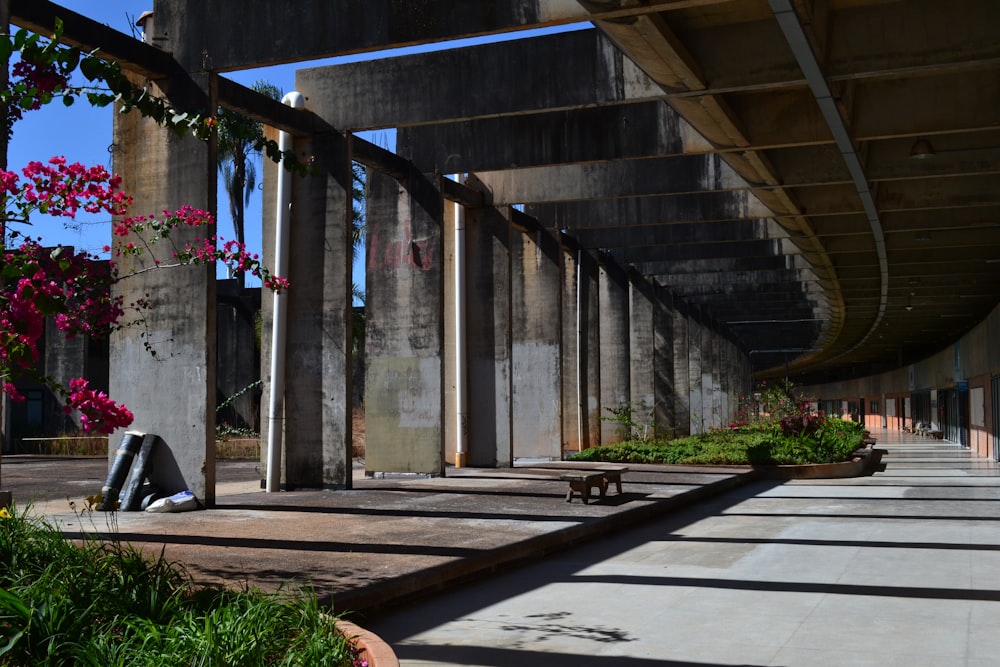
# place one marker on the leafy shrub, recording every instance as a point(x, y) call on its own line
point(819, 441)
point(105, 603)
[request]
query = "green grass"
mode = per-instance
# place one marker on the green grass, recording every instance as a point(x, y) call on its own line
point(105, 603)
point(825, 441)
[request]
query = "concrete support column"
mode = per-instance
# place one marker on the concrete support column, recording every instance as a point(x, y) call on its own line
point(66, 358)
point(665, 402)
point(404, 333)
point(590, 350)
point(488, 342)
point(536, 327)
point(171, 394)
point(728, 377)
point(710, 377)
point(581, 347)
point(569, 371)
point(317, 444)
point(614, 355)
point(643, 363)
point(682, 372)
point(238, 353)
point(696, 342)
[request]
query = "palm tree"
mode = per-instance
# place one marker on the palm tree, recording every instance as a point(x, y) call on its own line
point(238, 154)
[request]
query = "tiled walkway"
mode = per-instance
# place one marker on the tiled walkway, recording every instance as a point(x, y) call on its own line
point(900, 568)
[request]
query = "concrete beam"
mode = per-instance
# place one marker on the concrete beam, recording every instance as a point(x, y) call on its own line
point(617, 179)
point(714, 266)
point(484, 81)
point(731, 231)
point(270, 33)
point(712, 251)
point(624, 131)
point(707, 207)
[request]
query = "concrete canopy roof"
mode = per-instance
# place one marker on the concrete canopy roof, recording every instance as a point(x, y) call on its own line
point(818, 106)
point(752, 132)
point(753, 156)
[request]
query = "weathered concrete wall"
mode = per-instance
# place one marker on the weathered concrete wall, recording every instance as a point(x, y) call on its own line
point(536, 328)
point(710, 376)
point(569, 371)
point(404, 338)
point(666, 400)
point(644, 363)
point(171, 394)
point(696, 369)
point(682, 371)
point(614, 356)
point(488, 337)
point(940, 370)
point(317, 439)
point(590, 349)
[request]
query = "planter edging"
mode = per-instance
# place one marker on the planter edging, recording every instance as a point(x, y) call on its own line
point(856, 467)
point(370, 646)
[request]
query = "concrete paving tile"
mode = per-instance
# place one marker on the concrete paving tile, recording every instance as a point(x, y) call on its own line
point(985, 570)
point(984, 612)
point(784, 562)
point(910, 568)
point(769, 604)
point(798, 657)
point(720, 651)
point(872, 633)
point(861, 609)
point(692, 623)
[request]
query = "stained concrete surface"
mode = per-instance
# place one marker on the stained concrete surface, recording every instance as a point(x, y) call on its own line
point(387, 540)
point(900, 568)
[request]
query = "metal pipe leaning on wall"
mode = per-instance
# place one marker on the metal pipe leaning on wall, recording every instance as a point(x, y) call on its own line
point(120, 467)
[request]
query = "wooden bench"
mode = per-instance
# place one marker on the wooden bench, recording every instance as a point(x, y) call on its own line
point(582, 481)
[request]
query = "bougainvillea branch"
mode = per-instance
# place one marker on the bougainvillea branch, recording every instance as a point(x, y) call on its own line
point(74, 289)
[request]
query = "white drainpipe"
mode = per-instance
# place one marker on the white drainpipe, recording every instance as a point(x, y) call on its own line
point(275, 424)
point(581, 389)
point(461, 407)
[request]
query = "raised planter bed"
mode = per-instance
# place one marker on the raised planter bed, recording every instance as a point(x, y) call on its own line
point(863, 463)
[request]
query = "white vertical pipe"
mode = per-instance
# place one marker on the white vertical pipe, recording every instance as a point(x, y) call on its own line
point(461, 404)
point(275, 420)
point(580, 389)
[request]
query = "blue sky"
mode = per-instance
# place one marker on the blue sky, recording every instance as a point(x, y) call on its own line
point(84, 134)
